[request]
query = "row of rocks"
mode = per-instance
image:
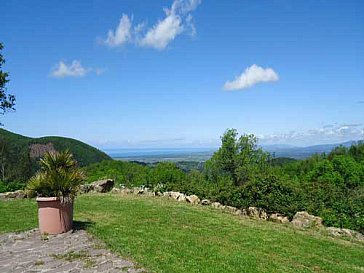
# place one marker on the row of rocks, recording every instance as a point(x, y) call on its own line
point(19, 194)
point(102, 186)
point(301, 220)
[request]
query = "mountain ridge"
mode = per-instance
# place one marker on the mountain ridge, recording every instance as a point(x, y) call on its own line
point(19, 155)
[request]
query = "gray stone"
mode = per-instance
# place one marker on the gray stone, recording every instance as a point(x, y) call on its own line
point(205, 202)
point(303, 219)
point(125, 191)
point(175, 195)
point(193, 199)
point(345, 233)
point(278, 218)
point(239, 212)
point(104, 185)
point(230, 209)
point(167, 194)
point(115, 190)
point(85, 188)
point(263, 214)
point(216, 205)
point(181, 198)
point(253, 212)
point(149, 193)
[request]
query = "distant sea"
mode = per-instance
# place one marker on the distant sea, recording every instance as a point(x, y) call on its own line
point(161, 154)
point(150, 155)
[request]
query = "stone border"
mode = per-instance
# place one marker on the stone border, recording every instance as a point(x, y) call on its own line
point(301, 220)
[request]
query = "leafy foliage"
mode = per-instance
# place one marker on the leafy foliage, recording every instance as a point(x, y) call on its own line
point(59, 176)
point(242, 175)
point(7, 101)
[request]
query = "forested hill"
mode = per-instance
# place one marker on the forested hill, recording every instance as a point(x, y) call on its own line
point(19, 155)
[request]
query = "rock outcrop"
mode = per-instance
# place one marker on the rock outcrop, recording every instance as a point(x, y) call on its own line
point(278, 218)
point(193, 199)
point(303, 219)
point(19, 194)
point(345, 233)
point(102, 186)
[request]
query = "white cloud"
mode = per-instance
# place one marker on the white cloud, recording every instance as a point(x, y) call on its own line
point(163, 32)
point(122, 33)
point(178, 19)
point(74, 69)
point(331, 133)
point(251, 76)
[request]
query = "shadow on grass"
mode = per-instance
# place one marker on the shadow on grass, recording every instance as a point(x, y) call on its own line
point(82, 225)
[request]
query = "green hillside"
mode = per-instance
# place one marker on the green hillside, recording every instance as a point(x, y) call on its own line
point(19, 154)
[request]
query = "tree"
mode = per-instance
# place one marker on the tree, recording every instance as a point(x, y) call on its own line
point(7, 101)
point(239, 158)
point(3, 157)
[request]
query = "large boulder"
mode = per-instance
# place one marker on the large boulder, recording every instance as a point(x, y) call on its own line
point(104, 185)
point(19, 194)
point(345, 233)
point(253, 212)
point(216, 205)
point(257, 213)
point(193, 199)
point(230, 209)
point(167, 194)
point(278, 218)
point(181, 197)
point(175, 195)
point(263, 214)
point(303, 219)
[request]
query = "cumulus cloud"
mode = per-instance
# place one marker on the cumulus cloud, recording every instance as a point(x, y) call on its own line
point(163, 32)
point(252, 76)
point(74, 69)
point(122, 33)
point(330, 133)
point(178, 19)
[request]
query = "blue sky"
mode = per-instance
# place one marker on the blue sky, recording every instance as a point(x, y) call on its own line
point(178, 73)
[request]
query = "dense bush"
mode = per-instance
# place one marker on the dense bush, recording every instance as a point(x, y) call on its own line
point(11, 186)
point(242, 175)
point(124, 173)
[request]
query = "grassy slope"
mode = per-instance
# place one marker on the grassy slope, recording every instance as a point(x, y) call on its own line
point(167, 236)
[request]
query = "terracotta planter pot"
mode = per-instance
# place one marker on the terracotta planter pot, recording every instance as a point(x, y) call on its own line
point(54, 216)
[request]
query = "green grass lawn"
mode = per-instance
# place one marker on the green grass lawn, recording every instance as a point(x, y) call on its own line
point(167, 236)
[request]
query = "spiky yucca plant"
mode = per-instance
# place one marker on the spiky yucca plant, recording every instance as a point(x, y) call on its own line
point(59, 176)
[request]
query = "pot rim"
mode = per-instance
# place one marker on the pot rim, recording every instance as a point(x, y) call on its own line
point(47, 199)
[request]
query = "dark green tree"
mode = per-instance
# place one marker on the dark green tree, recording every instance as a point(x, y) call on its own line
point(239, 158)
point(7, 101)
